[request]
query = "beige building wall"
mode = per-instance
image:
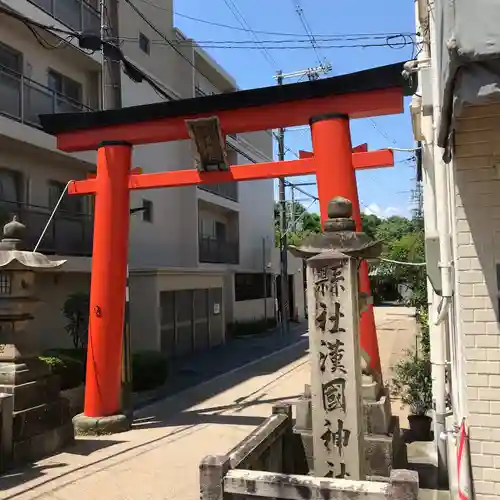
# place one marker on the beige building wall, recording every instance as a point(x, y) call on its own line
point(477, 206)
point(145, 289)
point(295, 268)
point(53, 289)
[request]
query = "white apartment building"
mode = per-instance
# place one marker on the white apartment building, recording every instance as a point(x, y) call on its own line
point(197, 255)
point(456, 116)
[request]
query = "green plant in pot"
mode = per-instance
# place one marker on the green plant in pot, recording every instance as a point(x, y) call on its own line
point(412, 384)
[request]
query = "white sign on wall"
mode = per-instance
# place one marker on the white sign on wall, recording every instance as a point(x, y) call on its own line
point(216, 308)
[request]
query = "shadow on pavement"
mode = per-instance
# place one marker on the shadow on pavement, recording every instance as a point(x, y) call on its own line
point(213, 415)
point(159, 414)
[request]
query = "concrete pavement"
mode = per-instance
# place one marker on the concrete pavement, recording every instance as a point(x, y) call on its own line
point(159, 458)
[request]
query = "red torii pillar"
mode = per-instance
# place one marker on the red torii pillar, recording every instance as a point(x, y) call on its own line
point(334, 132)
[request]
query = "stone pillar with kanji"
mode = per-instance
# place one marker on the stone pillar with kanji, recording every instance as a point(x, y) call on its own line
point(334, 305)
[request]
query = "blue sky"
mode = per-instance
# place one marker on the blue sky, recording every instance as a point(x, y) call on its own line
point(386, 191)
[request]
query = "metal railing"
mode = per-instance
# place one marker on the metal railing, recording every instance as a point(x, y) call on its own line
point(214, 251)
point(24, 99)
point(76, 14)
point(68, 233)
point(227, 190)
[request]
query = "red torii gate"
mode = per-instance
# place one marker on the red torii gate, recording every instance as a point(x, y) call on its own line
point(326, 104)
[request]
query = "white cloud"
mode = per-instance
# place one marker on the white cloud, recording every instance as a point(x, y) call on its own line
point(374, 209)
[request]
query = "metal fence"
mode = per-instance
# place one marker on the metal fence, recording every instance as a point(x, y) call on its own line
point(227, 190)
point(215, 251)
point(24, 99)
point(68, 234)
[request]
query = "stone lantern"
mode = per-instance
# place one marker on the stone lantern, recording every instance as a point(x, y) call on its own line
point(344, 417)
point(40, 421)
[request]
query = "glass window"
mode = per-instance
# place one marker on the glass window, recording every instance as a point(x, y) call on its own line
point(144, 43)
point(64, 85)
point(10, 59)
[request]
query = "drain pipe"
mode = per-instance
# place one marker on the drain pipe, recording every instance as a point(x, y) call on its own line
point(437, 326)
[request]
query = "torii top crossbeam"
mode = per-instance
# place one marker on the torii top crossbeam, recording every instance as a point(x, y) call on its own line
point(373, 92)
point(326, 104)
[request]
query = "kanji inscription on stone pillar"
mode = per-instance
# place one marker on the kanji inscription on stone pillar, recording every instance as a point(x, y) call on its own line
point(332, 287)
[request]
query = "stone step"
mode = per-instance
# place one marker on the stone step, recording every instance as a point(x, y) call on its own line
point(382, 452)
point(385, 452)
point(35, 393)
point(43, 444)
point(36, 420)
point(377, 415)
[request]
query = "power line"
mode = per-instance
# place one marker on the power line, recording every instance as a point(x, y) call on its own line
point(237, 28)
point(276, 46)
point(160, 33)
point(307, 29)
point(244, 24)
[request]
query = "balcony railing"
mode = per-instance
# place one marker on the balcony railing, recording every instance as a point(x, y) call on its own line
point(227, 190)
point(76, 14)
point(24, 99)
point(214, 251)
point(68, 234)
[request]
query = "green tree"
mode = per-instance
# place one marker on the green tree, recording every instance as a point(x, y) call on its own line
point(370, 224)
point(299, 226)
point(393, 228)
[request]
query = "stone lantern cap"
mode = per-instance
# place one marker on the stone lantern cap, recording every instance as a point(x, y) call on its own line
point(339, 238)
point(12, 257)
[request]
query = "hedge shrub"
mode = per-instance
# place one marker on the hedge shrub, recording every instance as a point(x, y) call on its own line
point(244, 328)
point(149, 370)
point(71, 371)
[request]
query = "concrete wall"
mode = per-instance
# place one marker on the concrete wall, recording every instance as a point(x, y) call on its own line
point(295, 268)
point(252, 310)
point(145, 289)
point(477, 205)
point(53, 289)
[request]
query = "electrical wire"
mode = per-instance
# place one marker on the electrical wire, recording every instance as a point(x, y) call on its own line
point(244, 24)
point(302, 17)
point(160, 33)
point(263, 32)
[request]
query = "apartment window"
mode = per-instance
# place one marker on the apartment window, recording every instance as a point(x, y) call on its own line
point(10, 59)
point(11, 186)
point(144, 43)
point(71, 204)
point(147, 213)
point(250, 286)
point(65, 86)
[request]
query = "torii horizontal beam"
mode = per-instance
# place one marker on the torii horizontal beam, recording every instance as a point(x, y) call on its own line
point(236, 121)
point(250, 172)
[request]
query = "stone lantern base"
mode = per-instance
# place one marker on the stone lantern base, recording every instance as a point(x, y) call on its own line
point(385, 448)
point(41, 419)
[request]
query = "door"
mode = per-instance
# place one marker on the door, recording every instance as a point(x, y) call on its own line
point(184, 322)
point(215, 316)
point(167, 315)
point(201, 322)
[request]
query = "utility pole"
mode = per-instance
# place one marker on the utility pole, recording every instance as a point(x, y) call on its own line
point(111, 95)
point(111, 98)
point(312, 74)
point(283, 229)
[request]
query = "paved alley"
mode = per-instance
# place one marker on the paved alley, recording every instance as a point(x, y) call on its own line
point(159, 458)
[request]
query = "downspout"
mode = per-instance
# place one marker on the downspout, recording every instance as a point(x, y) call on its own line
point(441, 209)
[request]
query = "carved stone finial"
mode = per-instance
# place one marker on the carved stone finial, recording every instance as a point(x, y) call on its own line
point(339, 235)
point(13, 233)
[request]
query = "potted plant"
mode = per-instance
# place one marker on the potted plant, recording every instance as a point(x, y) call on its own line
point(412, 384)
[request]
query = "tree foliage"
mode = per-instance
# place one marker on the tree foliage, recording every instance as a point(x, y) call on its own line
point(299, 222)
